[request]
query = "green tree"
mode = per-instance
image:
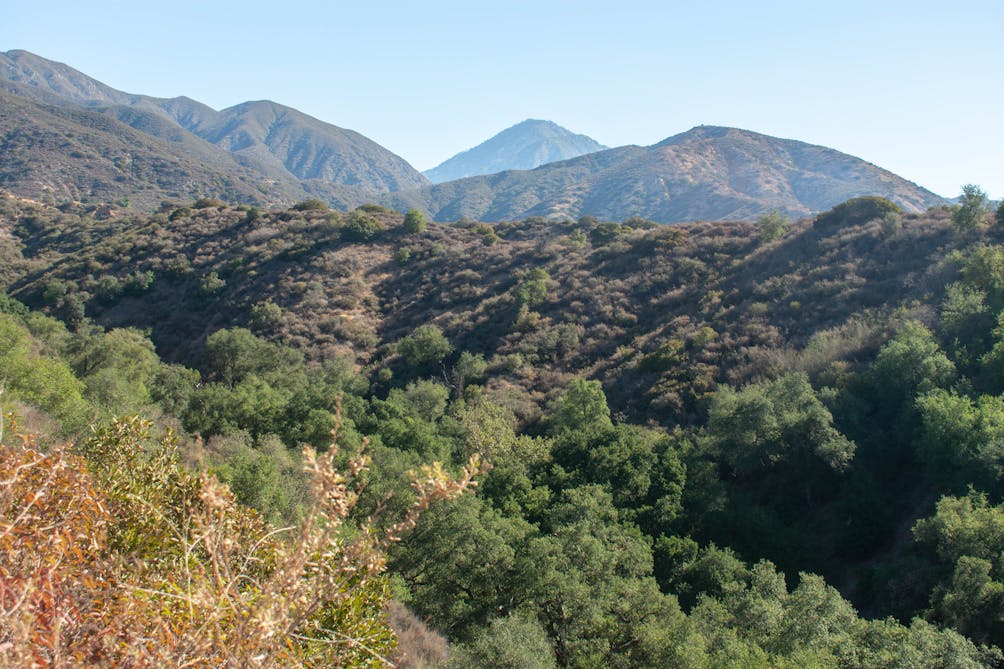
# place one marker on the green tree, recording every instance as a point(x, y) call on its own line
point(764, 426)
point(41, 381)
point(427, 345)
point(967, 534)
point(515, 642)
point(414, 221)
point(312, 204)
point(532, 288)
point(470, 367)
point(974, 207)
point(118, 367)
point(265, 315)
point(772, 226)
point(360, 227)
point(961, 440)
point(235, 353)
point(582, 407)
point(908, 365)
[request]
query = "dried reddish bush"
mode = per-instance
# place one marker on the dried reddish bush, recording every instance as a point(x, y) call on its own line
point(120, 558)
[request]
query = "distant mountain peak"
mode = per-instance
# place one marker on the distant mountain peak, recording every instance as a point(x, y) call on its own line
point(524, 146)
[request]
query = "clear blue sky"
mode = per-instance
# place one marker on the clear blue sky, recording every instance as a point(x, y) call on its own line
point(915, 87)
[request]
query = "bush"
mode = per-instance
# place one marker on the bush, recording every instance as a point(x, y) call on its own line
point(973, 208)
point(312, 204)
point(425, 345)
point(856, 211)
point(121, 558)
point(414, 221)
point(771, 226)
point(360, 227)
point(206, 203)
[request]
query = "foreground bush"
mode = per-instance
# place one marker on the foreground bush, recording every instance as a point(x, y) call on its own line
point(116, 557)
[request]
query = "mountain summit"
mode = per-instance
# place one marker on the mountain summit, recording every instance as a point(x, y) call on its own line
point(524, 146)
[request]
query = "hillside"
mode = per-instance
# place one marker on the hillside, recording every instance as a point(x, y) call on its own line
point(715, 410)
point(706, 173)
point(615, 296)
point(524, 146)
point(277, 142)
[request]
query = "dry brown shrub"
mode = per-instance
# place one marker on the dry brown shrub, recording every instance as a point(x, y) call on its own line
point(123, 559)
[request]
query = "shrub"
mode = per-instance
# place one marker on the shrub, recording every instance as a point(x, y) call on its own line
point(414, 221)
point(206, 203)
point(973, 208)
point(361, 228)
point(312, 204)
point(425, 345)
point(856, 211)
point(120, 558)
point(771, 226)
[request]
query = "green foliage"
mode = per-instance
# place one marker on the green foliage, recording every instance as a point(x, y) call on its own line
point(772, 226)
point(206, 203)
point(265, 315)
point(604, 233)
point(487, 233)
point(402, 255)
point(582, 407)
point(967, 533)
point(765, 425)
point(515, 642)
point(236, 353)
point(909, 365)
point(962, 441)
point(253, 214)
point(469, 368)
point(118, 368)
point(212, 283)
point(856, 211)
point(532, 288)
point(426, 346)
point(982, 267)
point(312, 204)
point(973, 209)
point(360, 227)
point(44, 382)
point(414, 221)
point(966, 320)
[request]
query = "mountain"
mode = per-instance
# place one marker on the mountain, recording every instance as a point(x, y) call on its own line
point(68, 153)
point(276, 141)
point(524, 146)
point(706, 173)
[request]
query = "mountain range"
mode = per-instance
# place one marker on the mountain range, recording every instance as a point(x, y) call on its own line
point(524, 146)
point(706, 173)
point(289, 153)
point(66, 136)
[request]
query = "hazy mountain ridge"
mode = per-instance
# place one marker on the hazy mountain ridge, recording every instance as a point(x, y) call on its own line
point(706, 173)
point(523, 146)
point(276, 139)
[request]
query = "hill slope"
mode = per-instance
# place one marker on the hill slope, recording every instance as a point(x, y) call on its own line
point(277, 141)
point(524, 146)
point(707, 173)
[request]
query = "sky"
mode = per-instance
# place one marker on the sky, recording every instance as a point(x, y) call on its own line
point(914, 87)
